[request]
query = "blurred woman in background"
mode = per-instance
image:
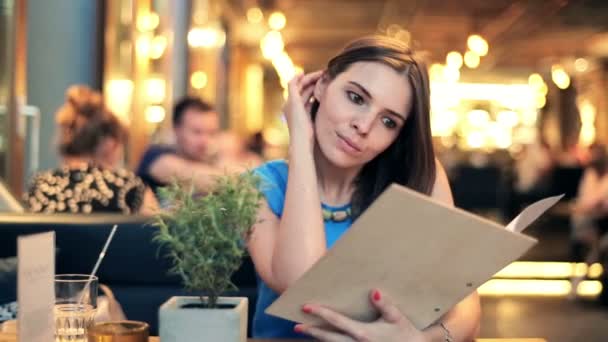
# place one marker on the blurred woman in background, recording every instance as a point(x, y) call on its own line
point(91, 140)
point(590, 213)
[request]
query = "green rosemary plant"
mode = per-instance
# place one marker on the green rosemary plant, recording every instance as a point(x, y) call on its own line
point(205, 235)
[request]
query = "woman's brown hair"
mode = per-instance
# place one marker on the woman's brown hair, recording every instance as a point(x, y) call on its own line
point(410, 160)
point(84, 122)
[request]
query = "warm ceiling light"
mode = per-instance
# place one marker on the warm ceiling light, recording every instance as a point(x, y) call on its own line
point(581, 65)
point(535, 80)
point(454, 60)
point(477, 44)
point(284, 67)
point(255, 15)
point(543, 90)
point(155, 114)
point(155, 89)
point(451, 74)
point(560, 77)
point(277, 21)
point(206, 37)
point(118, 94)
point(159, 43)
point(147, 22)
point(507, 118)
point(475, 139)
point(272, 44)
point(540, 101)
point(478, 118)
point(471, 59)
point(198, 80)
point(436, 71)
point(143, 46)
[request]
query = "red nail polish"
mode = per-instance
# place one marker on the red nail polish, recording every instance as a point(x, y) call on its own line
point(307, 309)
point(376, 295)
point(297, 329)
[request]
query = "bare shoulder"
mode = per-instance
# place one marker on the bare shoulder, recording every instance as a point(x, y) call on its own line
point(441, 189)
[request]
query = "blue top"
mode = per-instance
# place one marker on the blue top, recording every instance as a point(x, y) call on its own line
point(152, 154)
point(273, 176)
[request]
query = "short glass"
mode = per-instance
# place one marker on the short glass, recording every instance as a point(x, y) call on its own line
point(119, 331)
point(75, 306)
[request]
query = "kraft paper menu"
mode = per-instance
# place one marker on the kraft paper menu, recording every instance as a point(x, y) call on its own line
point(425, 255)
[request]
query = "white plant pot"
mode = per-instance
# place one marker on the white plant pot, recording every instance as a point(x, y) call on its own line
point(177, 324)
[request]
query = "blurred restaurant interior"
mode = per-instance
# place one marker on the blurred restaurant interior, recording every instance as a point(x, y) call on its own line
point(519, 108)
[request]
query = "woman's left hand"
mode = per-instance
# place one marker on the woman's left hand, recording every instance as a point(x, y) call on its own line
point(391, 326)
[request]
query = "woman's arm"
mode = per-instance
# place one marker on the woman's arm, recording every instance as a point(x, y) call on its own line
point(169, 167)
point(463, 319)
point(149, 205)
point(284, 249)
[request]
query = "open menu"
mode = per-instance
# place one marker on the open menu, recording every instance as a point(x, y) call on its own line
point(425, 255)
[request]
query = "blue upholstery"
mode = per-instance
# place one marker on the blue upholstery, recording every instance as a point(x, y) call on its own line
point(134, 267)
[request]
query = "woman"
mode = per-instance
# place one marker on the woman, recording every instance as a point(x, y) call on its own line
point(590, 212)
point(91, 140)
point(355, 128)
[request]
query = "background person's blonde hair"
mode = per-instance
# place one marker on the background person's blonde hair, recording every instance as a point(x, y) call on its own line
point(84, 122)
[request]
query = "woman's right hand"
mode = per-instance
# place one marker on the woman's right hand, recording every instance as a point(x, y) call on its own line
point(297, 107)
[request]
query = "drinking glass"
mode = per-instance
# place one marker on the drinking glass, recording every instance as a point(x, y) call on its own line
point(119, 331)
point(75, 306)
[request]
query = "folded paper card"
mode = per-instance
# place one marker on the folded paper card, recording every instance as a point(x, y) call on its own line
point(36, 287)
point(425, 255)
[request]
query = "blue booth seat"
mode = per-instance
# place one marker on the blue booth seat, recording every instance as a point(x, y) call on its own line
point(134, 267)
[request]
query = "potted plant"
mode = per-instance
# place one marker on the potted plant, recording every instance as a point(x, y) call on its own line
point(205, 239)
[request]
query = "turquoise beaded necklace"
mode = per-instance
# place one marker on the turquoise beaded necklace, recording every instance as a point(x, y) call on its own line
point(336, 215)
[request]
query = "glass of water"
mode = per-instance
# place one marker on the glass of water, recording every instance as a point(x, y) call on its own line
point(75, 306)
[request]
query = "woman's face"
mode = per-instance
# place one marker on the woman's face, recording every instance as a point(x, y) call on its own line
point(361, 112)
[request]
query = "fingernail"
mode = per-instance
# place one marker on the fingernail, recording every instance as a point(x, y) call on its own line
point(307, 309)
point(376, 295)
point(298, 329)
